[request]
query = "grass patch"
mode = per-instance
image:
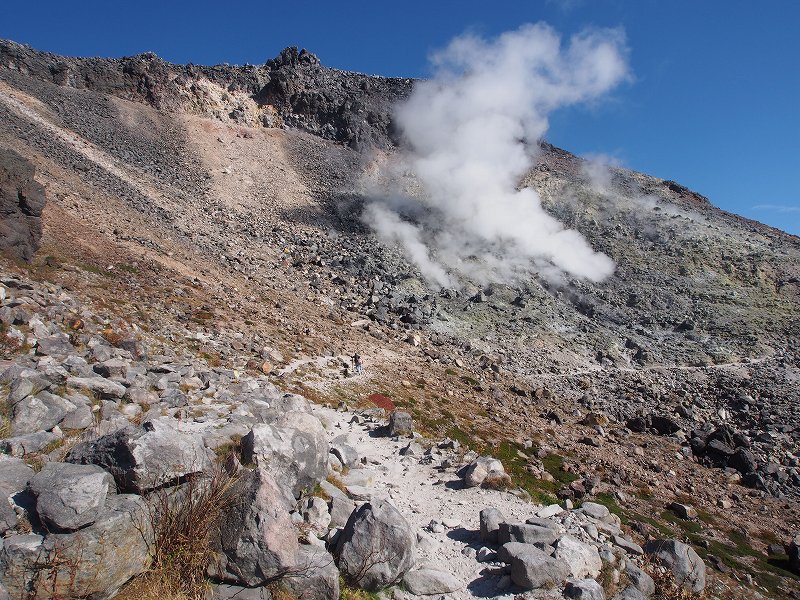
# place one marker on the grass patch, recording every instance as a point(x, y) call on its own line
point(611, 504)
point(470, 381)
point(234, 447)
point(554, 464)
point(348, 592)
point(461, 436)
point(5, 415)
point(665, 531)
point(687, 526)
point(541, 491)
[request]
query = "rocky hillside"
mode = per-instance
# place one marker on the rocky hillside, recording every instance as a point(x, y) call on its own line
point(203, 222)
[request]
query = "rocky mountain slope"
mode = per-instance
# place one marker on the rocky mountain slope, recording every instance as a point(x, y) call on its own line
point(215, 210)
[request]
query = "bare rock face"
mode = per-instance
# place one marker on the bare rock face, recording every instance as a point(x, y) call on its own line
point(256, 541)
point(21, 202)
point(93, 562)
point(146, 457)
point(687, 567)
point(295, 448)
point(70, 496)
point(14, 476)
point(377, 546)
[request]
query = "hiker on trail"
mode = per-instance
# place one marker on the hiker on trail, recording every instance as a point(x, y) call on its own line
point(358, 367)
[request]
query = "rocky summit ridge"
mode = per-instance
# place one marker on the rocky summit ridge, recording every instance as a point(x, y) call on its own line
point(185, 276)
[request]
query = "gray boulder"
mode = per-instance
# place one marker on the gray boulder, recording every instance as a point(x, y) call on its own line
point(22, 199)
point(295, 449)
point(486, 471)
point(630, 593)
point(316, 514)
point(39, 413)
point(594, 510)
point(584, 589)
point(526, 534)
point(490, 519)
point(80, 418)
point(583, 560)
point(226, 591)
point(401, 424)
point(533, 569)
point(377, 546)
point(687, 567)
point(793, 551)
point(429, 582)
point(70, 496)
point(143, 458)
point(256, 541)
point(30, 443)
point(99, 385)
point(22, 387)
point(55, 345)
point(91, 563)
point(346, 454)
point(14, 477)
point(640, 580)
point(341, 509)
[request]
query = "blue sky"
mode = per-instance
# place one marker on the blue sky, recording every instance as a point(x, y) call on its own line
point(714, 102)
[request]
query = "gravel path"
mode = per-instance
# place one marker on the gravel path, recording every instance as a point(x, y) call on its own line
point(424, 493)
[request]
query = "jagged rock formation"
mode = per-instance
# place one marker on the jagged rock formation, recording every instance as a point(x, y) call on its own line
point(351, 108)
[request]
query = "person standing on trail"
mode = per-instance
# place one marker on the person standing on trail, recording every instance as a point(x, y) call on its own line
point(358, 367)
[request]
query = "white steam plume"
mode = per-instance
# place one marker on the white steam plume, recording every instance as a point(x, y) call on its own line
point(473, 131)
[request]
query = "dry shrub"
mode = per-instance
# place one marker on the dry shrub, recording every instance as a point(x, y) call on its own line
point(184, 520)
point(9, 347)
point(667, 588)
point(114, 338)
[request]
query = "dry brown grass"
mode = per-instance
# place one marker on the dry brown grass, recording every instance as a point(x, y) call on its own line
point(184, 520)
point(667, 588)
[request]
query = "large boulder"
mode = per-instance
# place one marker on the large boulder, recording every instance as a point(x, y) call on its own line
point(14, 477)
point(57, 344)
point(22, 199)
point(294, 448)
point(91, 563)
point(533, 569)
point(526, 534)
point(400, 424)
point(256, 541)
point(377, 547)
point(146, 457)
point(30, 443)
point(39, 413)
point(98, 385)
point(583, 560)
point(687, 567)
point(793, 550)
point(70, 496)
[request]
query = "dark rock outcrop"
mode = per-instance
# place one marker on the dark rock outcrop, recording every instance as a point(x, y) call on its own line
point(22, 199)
